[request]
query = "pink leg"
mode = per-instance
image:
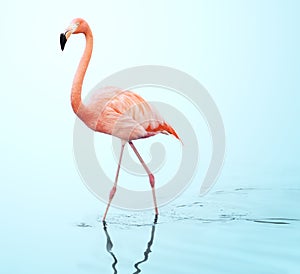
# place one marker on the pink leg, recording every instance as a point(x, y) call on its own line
point(151, 178)
point(114, 188)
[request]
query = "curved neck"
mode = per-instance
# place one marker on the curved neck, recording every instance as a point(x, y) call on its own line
point(80, 73)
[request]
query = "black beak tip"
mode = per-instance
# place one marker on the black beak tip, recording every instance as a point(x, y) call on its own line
point(63, 41)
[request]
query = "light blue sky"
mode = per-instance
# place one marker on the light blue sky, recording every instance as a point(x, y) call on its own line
point(246, 53)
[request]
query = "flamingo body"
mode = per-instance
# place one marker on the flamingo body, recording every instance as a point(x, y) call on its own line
point(123, 114)
point(114, 111)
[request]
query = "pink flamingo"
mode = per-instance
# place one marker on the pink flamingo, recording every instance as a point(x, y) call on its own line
point(114, 111)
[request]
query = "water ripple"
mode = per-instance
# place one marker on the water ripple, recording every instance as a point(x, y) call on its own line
point(254, 205)
point(275, 221)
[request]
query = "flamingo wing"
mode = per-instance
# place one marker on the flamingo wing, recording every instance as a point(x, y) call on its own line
point(127, 115)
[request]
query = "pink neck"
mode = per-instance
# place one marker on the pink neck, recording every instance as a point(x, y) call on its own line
point(80, 73)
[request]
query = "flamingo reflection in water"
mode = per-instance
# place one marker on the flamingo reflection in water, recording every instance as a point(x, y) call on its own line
point(109, 246)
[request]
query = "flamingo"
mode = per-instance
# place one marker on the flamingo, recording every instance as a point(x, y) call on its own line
point(110, 110)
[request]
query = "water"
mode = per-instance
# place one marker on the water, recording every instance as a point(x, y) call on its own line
point(228, 232)
point(247, 230)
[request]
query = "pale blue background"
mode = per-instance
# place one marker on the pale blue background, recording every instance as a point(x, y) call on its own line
point(246, 53)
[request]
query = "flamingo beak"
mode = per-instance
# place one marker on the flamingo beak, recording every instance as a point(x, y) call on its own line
point(63, 40)
point(65, 36)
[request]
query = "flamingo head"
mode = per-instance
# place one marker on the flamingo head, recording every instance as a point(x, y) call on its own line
point(77, 25)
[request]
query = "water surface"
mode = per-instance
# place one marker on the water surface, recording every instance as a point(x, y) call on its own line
point(226, 232)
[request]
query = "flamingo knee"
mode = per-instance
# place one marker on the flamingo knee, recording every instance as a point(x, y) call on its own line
point(112, 192)
point(152, 180)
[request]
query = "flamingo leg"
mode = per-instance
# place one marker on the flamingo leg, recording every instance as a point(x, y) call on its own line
point(114, 188)
point(151, 178)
